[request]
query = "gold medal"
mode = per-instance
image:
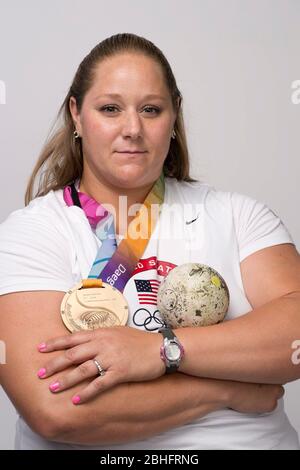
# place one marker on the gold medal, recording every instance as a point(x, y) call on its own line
point(93, 304)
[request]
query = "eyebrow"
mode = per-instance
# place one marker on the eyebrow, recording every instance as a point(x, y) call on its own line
point(117, 95)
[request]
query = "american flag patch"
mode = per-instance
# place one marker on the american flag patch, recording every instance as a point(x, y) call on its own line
point(147, 290)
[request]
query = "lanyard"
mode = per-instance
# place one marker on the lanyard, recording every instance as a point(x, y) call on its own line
point(113, 264)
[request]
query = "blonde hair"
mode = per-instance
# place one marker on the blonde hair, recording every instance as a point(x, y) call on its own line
point(60, 161)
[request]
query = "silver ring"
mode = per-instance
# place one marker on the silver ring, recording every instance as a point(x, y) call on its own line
point(99, 368)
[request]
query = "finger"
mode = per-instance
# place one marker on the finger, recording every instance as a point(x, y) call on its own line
point(66, 341)
point(76, 355)
point(97, 386)
point(84, 371)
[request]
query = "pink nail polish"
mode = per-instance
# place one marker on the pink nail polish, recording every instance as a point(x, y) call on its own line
point(42, 347)
point(76, 400)
point(41, 373)
point(54, 387)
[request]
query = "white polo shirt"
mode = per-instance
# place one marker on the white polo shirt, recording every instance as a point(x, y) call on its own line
point(50, 246)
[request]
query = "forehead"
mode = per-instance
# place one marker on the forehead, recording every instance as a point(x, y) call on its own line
point(129, 72)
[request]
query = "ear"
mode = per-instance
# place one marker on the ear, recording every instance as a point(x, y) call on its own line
point(75, 115)
point(178, 101)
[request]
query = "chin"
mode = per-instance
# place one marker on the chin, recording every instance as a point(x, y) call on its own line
point(133, 178)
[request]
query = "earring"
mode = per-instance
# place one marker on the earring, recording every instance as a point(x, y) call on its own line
point(76, 135)
point(173, 134)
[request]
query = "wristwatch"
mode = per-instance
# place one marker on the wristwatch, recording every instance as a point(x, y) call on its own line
point(171, 351)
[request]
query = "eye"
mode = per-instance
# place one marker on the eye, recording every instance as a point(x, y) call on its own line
point(156, 110)
point(104, 108)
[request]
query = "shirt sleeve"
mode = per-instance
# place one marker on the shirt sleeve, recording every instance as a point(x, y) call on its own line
point(34, 254)
point(256, 225)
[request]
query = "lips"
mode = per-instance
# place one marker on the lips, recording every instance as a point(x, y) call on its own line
point(132, 151)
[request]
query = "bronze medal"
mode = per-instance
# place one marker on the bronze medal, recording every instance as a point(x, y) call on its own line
point(93, 304)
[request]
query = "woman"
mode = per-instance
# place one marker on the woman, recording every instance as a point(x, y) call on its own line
point(123, 138)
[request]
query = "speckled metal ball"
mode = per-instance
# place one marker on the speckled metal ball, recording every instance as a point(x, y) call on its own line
point(193, 294)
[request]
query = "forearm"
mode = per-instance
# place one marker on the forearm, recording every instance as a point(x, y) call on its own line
point(139, 410)
point(255, 347)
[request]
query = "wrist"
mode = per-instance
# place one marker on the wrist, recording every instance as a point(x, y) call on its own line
point(159, 365)
point(171, 350)
point(183, 335)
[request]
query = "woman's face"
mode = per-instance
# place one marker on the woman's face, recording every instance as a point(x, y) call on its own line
point(131, 121)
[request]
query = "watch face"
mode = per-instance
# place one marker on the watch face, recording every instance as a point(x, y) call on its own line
point(173, 351)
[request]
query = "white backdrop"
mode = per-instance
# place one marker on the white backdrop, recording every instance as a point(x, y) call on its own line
point(235, 62)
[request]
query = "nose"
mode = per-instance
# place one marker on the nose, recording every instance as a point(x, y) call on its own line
point(132, 126)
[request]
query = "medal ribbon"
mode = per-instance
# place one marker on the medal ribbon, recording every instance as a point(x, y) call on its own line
point(113, 264)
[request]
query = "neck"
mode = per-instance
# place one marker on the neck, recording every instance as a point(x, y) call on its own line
point(109, 196)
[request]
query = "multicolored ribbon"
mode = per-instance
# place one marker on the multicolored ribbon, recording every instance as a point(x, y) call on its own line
point(113, 264)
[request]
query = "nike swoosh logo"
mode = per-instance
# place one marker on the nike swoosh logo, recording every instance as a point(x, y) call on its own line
point(188, 222)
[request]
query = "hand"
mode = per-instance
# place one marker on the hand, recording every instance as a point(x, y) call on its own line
point(254, 398)
point(125, 354)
